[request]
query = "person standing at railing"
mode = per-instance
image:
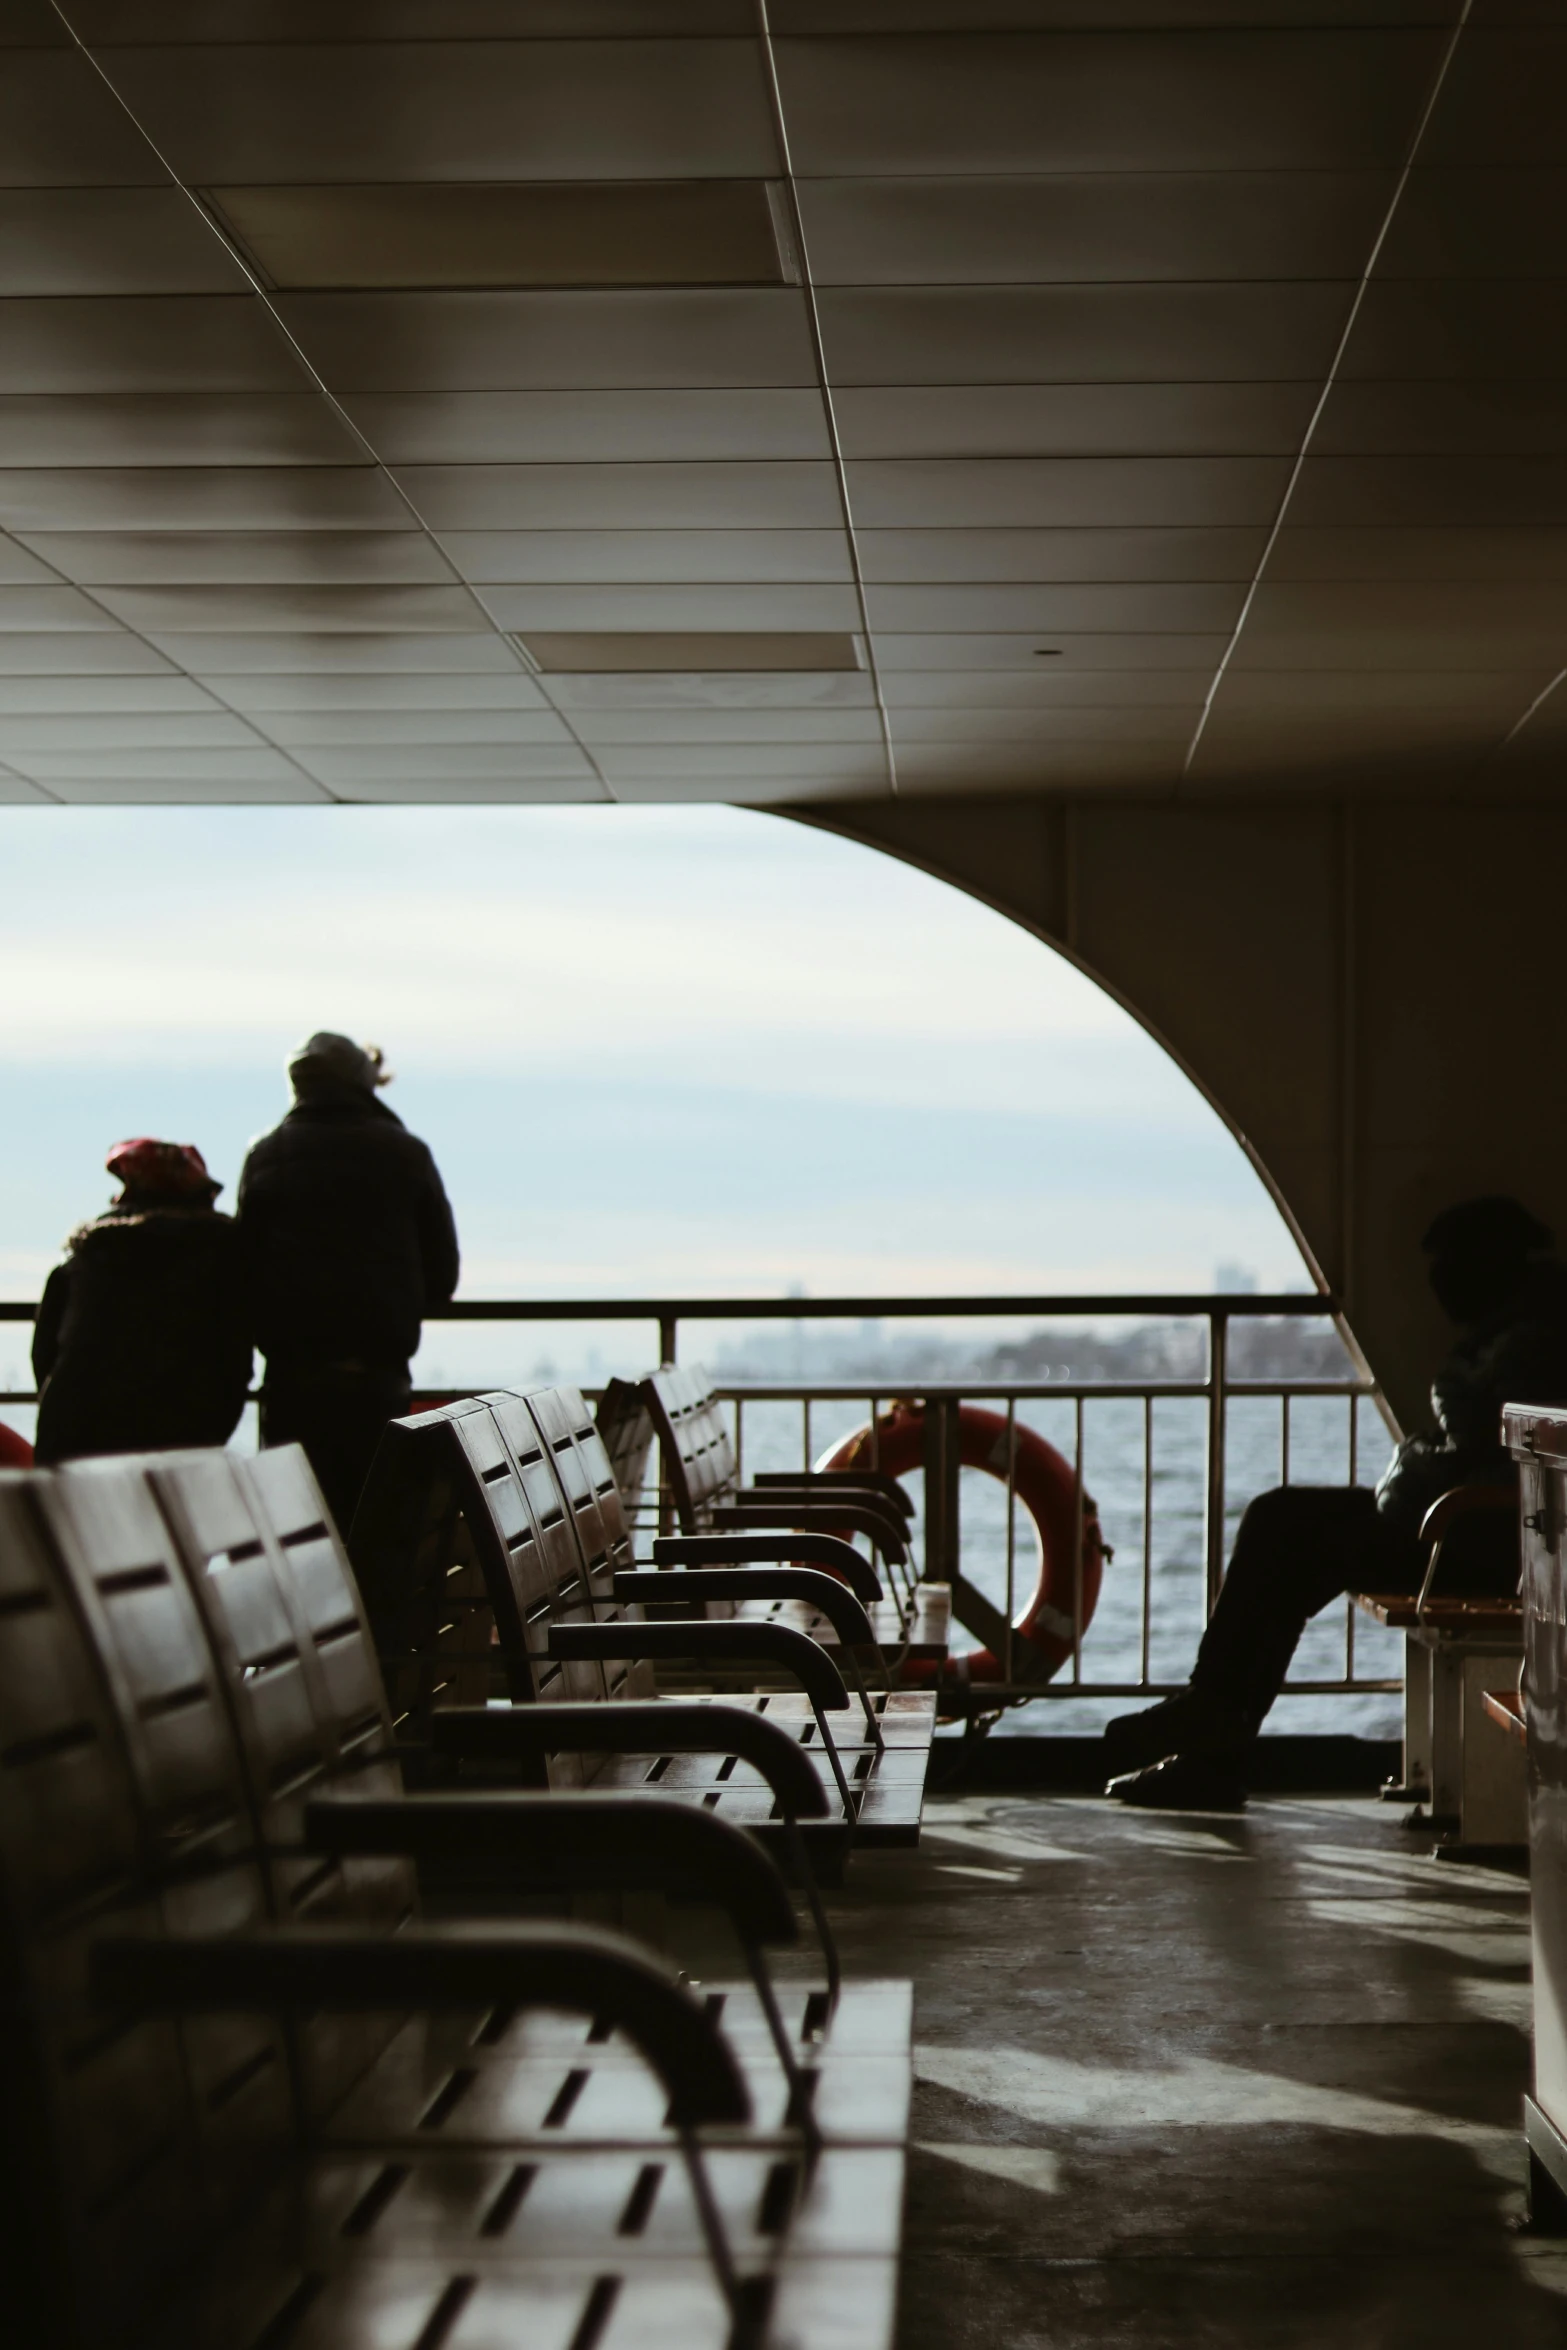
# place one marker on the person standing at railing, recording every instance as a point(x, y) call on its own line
point(141, 1342)
point(348, 1241)
point(1302, 1546)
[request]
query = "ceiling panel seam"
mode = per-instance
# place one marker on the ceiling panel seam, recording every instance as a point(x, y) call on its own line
point(1401, 183)
point(1538, 704)
point(814, 323)
point(215, 229)
point(17, 776)
point(139, 636)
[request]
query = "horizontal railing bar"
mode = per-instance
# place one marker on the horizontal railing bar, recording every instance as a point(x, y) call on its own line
point(1187, 1306)
point(943, 1390)
point(982, 1691)
point(1064, 1390)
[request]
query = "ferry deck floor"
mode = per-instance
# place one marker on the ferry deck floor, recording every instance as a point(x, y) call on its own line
point(1249, 2081)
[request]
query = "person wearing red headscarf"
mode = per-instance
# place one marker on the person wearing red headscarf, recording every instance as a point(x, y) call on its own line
point(142, 1343)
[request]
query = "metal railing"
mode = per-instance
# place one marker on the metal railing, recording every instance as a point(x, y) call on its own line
point(1215, 1389)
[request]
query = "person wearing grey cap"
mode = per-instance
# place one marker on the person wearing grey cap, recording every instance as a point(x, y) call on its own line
point(348, 1242)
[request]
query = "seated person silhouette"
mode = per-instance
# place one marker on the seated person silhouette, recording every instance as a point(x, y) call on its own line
point(1302, 1546)
point(141, 1342)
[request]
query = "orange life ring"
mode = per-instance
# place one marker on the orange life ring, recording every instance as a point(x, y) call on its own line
point(1047, 1487)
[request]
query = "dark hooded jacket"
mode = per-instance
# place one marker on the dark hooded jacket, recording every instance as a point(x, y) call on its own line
point(1518, 1354)
point(141, 1340)
point(346, 1232)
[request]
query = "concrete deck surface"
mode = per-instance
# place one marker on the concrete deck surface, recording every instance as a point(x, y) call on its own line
point(1249, 2082)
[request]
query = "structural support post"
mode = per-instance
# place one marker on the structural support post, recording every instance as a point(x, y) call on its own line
point(941, 1467)
point(1218, 1352)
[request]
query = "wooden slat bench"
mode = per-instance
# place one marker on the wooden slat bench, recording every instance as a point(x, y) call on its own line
point(701, 1476)
point(488, 1544)
point(282, 1614)
point(174, 2173)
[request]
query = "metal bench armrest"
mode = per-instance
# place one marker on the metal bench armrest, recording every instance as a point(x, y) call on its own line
point(813, 1517)
point(800, 1550)
point(617, 1842)
point(696, 1585)
point(877, 1481)
point(663, 1725)
point(295, 1969)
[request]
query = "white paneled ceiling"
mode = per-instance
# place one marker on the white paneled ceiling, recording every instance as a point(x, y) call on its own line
point(660, 399)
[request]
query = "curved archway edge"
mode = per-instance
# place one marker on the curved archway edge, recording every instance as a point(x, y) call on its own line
point(1361, 988)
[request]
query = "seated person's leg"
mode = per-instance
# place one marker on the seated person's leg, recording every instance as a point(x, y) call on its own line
point(1297, 1548)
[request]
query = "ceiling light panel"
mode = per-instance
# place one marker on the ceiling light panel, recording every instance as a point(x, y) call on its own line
point(283, 653)
point(110, 241)
point(171, 428)
point(61, 128)
point(687, 652)
point(406, 20)
point(1121, 492)
point(199, 498)
point(442, 110)
point(77, 653)
point(891, 556)
point(1080, 334)
point(664, 610)
point(145, 343)
point(1074, 420)
point(266, 606)
point(129, 558)
point(621, 496)
point(651, 557)
point(606, 233)
point(488, 428)
point(1092, 228)
point(719, 337)
point(1121, 100)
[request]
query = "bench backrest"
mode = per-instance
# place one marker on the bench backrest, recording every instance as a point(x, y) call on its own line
point(583, 1471)
point(121, 1810)
point(473, 1500)
point(625, 1427)
point(694, 1440)
point(283, 1619)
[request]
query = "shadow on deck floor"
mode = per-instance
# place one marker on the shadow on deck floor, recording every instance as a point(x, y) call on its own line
point(1248, 2082)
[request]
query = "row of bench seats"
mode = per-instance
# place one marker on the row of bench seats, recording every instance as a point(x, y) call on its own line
point(700, 1475)
point(495, 1559)
point(255, 2097)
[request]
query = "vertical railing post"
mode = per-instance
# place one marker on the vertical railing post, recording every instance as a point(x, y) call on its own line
point(1077, 1541)
point(1142, 1670)
point(941, 1488)
point(668, 1328)
point(1007, 1660)
point(1218, 1351)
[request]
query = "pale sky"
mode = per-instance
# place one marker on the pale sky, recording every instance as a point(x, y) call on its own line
point(653, 1049)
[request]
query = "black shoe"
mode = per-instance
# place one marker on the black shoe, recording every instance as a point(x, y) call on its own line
point(1191, 1723)
point(1184, 1782)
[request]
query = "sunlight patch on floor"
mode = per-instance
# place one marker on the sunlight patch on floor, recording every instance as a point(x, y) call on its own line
point(958, 1868)
point(1198, 2093)
point(1021, 2166)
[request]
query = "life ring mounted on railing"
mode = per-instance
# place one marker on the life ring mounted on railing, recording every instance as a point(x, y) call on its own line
point(1072, 1551)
